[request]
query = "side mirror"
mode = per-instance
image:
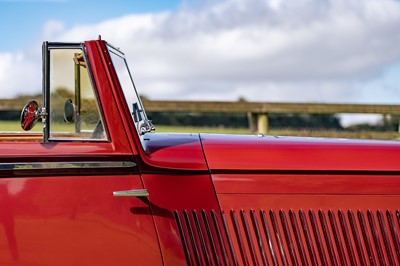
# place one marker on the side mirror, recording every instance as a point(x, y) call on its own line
point(30, 115)
point(69, 111)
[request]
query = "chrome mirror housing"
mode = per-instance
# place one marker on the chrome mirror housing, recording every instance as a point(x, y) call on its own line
point(30, 115)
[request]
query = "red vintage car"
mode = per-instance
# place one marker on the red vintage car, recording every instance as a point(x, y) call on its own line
point(97, 187)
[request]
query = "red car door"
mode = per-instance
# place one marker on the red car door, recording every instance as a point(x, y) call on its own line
point(58, 190)
point(60, 209)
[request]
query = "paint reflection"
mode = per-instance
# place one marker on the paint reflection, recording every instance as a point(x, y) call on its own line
point(7, 219)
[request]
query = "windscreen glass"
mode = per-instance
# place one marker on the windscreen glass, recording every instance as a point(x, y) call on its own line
point(74, 110)
point(129, 90)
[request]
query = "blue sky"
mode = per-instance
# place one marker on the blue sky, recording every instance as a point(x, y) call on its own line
point(338, 51)
point(22, 20)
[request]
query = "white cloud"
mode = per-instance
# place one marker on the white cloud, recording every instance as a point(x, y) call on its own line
point(52, 27)
point(305, 50)
point(5, 62)
point(20, 73)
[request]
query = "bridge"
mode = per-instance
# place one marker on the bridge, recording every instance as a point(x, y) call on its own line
point(257, 111)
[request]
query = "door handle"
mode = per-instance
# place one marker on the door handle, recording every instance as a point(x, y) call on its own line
point(131, 193)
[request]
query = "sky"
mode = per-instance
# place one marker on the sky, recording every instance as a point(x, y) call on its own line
point(337, 51)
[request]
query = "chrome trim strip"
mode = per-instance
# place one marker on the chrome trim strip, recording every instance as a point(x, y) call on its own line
point(65, 165)
point(131, 193)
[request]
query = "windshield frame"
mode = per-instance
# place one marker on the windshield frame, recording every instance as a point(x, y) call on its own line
point(138, 115)
point(47, 47)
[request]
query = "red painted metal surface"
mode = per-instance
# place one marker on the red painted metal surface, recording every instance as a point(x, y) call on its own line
point(311, 183)
point(37, 150)
point(175, 151)
point(313, 229)
point(182, 197)
point(75, 220)
point(109, 91)
point(303, 201)
point(291, 153)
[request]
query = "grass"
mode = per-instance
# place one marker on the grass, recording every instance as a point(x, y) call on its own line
point(10, 126)
point(16, 126)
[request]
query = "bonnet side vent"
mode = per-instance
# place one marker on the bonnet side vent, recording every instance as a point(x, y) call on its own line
point(290, 237)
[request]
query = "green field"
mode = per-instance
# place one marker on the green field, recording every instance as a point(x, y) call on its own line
point(16, 126)
point(10, 126)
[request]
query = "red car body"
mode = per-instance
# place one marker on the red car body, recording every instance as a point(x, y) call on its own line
point(198, 199)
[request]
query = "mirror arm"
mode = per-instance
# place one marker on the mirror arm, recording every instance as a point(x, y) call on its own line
point(43, 114)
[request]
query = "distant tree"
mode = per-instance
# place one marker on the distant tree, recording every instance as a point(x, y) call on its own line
point(234, 120)
point(305, 121)
point(143, 97)
point(63, 93)
point(242, 99)
point(387, 123)
point(10, 115)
